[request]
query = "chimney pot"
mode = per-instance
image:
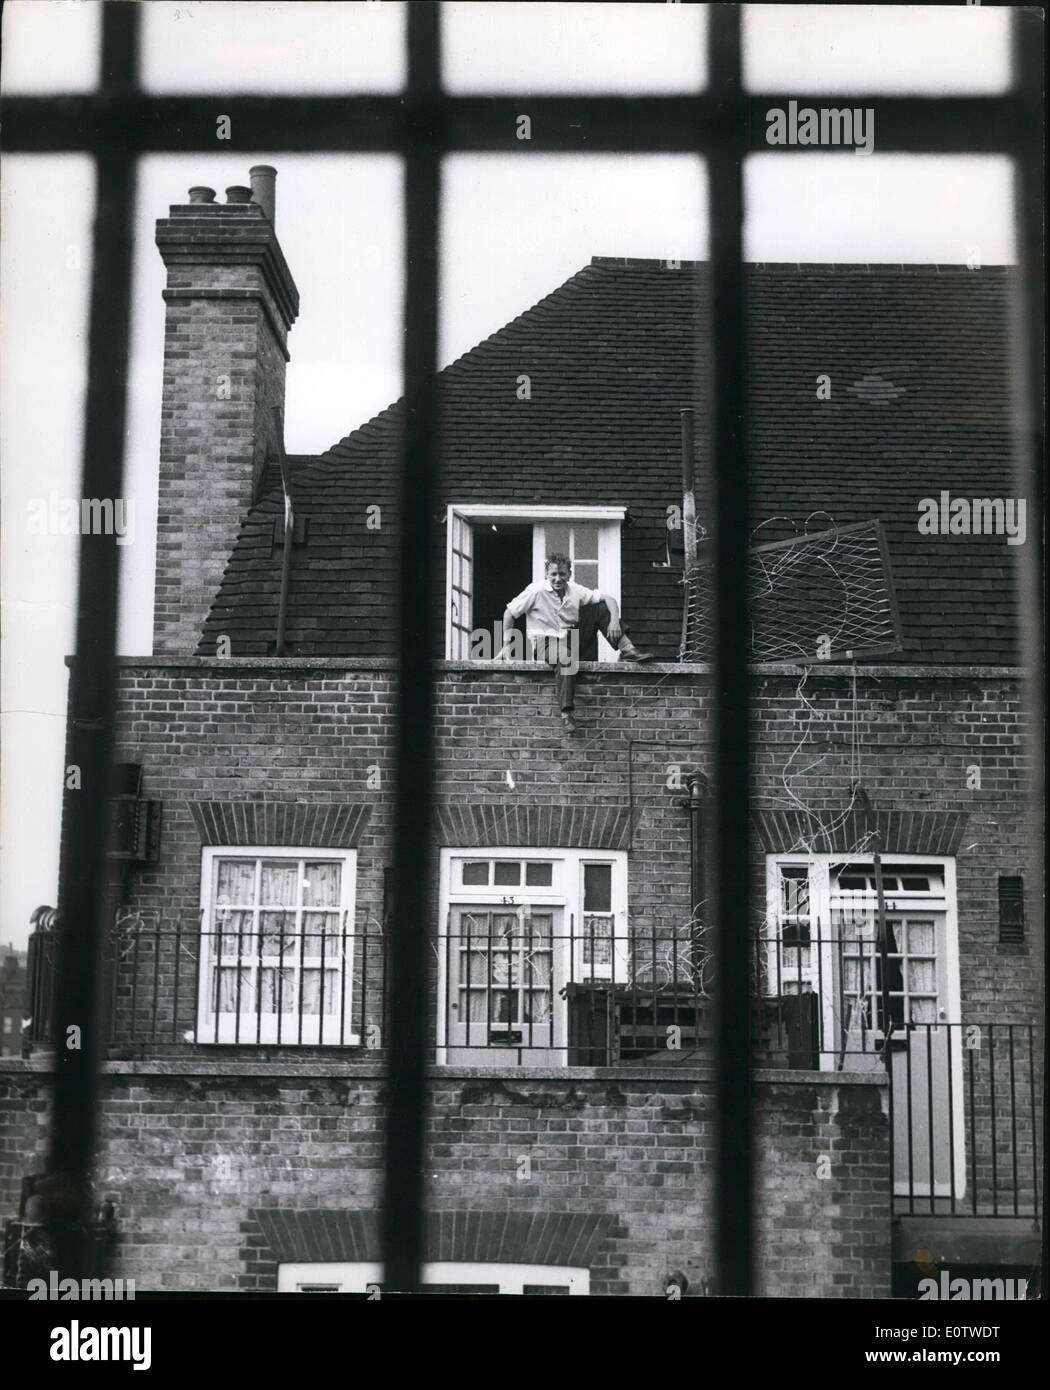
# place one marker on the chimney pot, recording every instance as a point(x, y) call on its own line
point(263, 179)
point(201, 193)
point(237, 193)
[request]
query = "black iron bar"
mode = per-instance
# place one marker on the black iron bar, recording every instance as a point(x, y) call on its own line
point(405, 1115)
point(175, 992)
point(156, 979)
point(973, 1135)
point(1034, 1113)
point(1013, 1114)
point(708, 122)
point(82, 926)
point(345, 972)
point(930, 1114)
point(280, 980)
point(950, 1030)
point(911, 1028)
point(991, 1119)
point(728, 377)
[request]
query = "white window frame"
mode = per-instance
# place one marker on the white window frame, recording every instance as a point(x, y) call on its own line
point(366, 1276)
point(821, 903)
point(282, 1030)
point(459, 516)
point(566, 892)
point(822, 900)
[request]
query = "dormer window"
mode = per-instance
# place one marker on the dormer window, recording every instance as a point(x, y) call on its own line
point(496, 551)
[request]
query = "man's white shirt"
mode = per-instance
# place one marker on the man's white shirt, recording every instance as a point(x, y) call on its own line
point(547, 615)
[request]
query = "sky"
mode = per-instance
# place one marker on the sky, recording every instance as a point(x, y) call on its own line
point(513, 228)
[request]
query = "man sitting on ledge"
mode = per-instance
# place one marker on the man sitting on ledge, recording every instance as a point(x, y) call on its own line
point(562, 622)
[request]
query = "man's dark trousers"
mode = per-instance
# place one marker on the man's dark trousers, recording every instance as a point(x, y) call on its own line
point(594, 618)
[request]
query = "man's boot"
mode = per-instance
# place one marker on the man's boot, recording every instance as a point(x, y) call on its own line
point(627, 651)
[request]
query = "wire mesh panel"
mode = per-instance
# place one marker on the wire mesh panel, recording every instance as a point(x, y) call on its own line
point(818, 598)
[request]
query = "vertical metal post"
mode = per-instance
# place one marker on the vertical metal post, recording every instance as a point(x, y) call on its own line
point(403, 1204)
point(731, 899)
point(688, 491)
point(1029, 375)
point(92, 695)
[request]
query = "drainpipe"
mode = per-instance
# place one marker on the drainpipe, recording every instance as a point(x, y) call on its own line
point(697, 788)
point(289, 527)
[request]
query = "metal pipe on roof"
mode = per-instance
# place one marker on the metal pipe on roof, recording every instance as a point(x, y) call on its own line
point(688, 493)
point(289, 529)
point(263, 180)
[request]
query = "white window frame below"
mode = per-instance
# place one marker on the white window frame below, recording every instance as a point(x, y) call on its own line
point(459, 557)
point(367, 1276)
point(249, 1027)
point(825, 982)
point(822, 900)
point(565, 893)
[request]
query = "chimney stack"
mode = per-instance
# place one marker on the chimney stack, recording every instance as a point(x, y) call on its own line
point(231, 301)
point(264, 192)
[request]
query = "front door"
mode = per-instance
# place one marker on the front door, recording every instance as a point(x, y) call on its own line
point(912, 1006)
point(501, 966)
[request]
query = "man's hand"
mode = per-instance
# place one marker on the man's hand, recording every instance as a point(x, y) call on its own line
point(614, 633)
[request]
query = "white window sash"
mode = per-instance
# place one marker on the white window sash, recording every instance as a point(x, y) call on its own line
point(460, 520)
point(365, 1276)
point(250, 1024)
point(564, 894)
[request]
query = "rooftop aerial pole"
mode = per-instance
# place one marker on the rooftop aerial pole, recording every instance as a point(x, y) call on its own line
point(688, 491)
point(289, 531)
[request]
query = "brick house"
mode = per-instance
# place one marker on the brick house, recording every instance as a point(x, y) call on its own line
point(897, 996)
point(12, 999)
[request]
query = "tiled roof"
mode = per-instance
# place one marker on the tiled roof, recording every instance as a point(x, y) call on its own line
point(918, 363)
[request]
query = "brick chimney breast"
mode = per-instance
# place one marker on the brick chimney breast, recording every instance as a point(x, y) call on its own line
point(231, 301)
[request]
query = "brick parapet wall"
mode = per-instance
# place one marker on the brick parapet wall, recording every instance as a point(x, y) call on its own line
point(191, 1154)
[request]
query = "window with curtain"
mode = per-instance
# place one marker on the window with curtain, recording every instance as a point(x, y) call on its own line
point(276, 947)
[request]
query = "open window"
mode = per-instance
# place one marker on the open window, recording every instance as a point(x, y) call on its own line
point(496, 551)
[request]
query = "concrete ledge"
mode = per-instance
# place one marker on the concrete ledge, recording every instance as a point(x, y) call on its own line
point(967, 1240)
point(340, 1069)
point(289, 665)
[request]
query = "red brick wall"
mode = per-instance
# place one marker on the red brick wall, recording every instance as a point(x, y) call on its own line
point(318, 731)
point(315, 732)
point(189, 1160)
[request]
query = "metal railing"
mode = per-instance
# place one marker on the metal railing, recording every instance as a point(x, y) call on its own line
point(965, 1099)
point(966, 1119)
